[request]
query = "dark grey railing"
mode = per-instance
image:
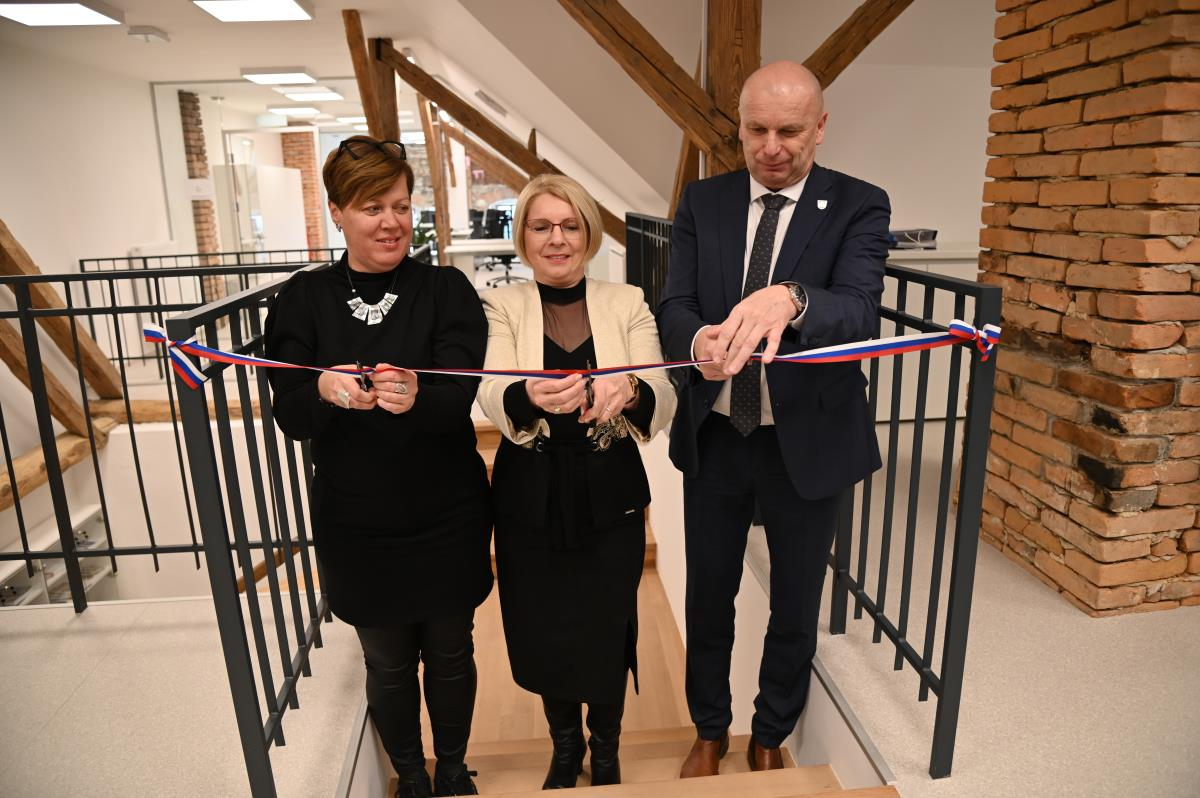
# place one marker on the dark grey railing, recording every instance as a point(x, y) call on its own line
point(868, 541)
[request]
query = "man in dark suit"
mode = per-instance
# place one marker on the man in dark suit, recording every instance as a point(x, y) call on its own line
point(789, 253)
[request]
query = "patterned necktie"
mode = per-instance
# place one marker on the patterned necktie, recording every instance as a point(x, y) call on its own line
point(745, 398)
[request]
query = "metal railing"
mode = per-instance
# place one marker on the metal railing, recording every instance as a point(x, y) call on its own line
point(935, 562)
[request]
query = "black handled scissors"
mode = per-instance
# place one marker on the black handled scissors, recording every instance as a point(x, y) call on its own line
point(364, 381)
point(588, 391)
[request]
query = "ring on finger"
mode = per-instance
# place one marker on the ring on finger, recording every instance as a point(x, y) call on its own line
point(402, 388)
point(344, 397)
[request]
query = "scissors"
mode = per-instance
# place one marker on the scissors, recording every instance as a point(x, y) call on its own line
point(364, 381)
point(588, 391)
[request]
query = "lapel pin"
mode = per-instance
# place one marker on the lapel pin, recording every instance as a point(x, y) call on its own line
point(822, 204)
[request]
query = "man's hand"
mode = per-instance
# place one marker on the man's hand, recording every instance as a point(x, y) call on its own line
point(704, 349)
point(763, 314)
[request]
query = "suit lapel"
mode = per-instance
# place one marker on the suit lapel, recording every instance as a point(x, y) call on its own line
point(604, 339)
point(731, 224)
point(806, 219)
point(530, 350)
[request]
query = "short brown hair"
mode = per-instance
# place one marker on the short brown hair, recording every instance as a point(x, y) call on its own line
point(569, 191)
point(372, 173)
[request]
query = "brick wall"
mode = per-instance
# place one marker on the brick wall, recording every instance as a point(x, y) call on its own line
point(204, 212)
point(1092, 218)
point(300, 152)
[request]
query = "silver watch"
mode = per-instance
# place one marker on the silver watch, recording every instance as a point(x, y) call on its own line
point(799, 297)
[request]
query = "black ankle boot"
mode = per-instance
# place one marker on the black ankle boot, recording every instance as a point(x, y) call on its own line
point(604, 723)
point(414, 784)
point(453, 780)
point(566, 732)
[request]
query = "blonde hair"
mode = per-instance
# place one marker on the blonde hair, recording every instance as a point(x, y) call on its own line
point(586, 211)
point(372, 173)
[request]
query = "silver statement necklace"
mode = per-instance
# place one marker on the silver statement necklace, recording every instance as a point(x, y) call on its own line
point(371, 313)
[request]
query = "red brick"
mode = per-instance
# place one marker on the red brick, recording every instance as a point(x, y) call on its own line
point(1083, 137)
point(1070, 247)
point(1011, 495)
point(1058, 403)
point(1118, 476)
point(1054, 60)
point(1043, 444)
point(1010, 24)
point(1101, 18)
point(1145, 365)
point(1123, 573)
point(1043, 537)
point(1016, 454)
point(1024, 44)
point(1084, 81)
point(1190, 540)
point(1189, 394)
point(1154, 129)
point(1041, 219)
point(1156, 191)
point(1141, 307)
point(1118, 334)
point(1167, 547)
point(1141, 9)
point(1191, 336)
point(1015, 144)
point(1151, 99)
point(1177, 62)
point(1092, 596)
point(1014, 290)
point(1074, 192)
point(1027, 318)
point(1025, 366)
point(1126, 278)
point(1054, 297)
point(1096, 547)
point(992, 261)
point(1002, 122)
point(1141, 160)
point(1138, 222)
point(1038, 268)
point(1052, 115)
point(1042, 491)
point(1122, 526)
point(1019, 411)
point(1085, 303)
point(1046, 165)
point(1184, 588)
point(1161, 422)
point(1006, 74)
point(1015, 191)
point(1018, 96)
point(997, 466)
point(1040, 13)
point(1122, 448)
point(1071, 481)
point(995, 215)
point(1185, 446)
point(1006, 239)
point(1156, 33)
point(1175, 495)
point(1000, 168)
point(1149, 250)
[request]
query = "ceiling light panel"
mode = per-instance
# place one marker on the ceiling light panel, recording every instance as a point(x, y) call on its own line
point(294, 110)
point(314, 96)
point(257, 10)
point(273, 76)
point(86, 12)
point(352, 120)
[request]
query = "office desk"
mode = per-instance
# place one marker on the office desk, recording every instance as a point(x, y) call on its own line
point(462, 254)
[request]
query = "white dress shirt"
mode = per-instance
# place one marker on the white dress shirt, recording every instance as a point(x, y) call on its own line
point(757, 192)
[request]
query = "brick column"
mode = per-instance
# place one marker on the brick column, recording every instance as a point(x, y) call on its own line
point(204, 212)
point(1091, 230)
point(300, 152)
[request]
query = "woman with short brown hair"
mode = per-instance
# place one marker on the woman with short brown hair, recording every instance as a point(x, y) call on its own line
point(400, 505)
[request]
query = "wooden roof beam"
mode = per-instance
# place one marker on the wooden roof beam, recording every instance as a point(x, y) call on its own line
point(659, 75)
point(843, 45)
point(489, 132)
point(364, 75)
point(436, 162)
point(733, 53)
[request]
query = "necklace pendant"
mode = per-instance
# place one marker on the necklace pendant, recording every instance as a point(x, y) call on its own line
point(374, 315)
point(354, 303)
point(360, 312)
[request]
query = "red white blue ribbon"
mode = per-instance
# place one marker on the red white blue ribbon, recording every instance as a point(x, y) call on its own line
point(959, 332)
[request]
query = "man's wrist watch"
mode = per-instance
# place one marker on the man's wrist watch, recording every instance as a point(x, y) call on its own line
point(799, 297)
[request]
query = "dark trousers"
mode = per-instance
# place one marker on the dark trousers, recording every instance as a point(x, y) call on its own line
point(446, 648)
point(718, 503)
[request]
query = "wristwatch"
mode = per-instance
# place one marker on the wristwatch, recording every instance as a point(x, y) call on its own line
point(799, 297)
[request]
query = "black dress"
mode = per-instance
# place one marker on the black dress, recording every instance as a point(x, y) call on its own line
point(419, 470)
point(568, 568)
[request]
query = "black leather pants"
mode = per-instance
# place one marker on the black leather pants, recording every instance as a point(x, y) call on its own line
point(446, 648)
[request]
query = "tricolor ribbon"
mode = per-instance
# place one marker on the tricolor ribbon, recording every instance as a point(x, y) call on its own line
point(959, 332)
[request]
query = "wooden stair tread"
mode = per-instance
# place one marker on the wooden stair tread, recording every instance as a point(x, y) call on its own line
point(806, 781)
point(30, 468)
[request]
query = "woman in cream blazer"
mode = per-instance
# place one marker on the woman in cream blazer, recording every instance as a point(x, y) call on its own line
point(568, 482)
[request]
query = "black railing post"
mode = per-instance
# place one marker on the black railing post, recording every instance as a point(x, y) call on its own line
point(966, 541)
point(839, 584)
point(41, 406)
point(231, 625)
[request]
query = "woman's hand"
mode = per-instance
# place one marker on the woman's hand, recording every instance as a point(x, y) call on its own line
point(395, 388)
point(556, 396)
point(343, 390)
point(610, 396)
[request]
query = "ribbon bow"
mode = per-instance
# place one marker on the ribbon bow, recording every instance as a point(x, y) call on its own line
point(985, 339)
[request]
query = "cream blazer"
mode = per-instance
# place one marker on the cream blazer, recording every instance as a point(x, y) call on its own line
point(623, 332)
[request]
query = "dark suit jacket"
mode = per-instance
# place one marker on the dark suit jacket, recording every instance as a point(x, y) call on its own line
point(837, 254)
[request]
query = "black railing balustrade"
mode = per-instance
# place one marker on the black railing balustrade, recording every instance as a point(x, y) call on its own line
point(896, 526)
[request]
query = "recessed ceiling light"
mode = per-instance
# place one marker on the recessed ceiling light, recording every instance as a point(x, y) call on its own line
point(257, 10)
point(294, 110)
point(314, 96)
point(85, 12)
point(287, 89)
point(271, 76)
point(352, 120)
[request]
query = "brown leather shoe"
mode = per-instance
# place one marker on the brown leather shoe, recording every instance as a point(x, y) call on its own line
point(705, 757)
point(763, 758)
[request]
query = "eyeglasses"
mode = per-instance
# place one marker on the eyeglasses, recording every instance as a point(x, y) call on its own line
point(543, 227)
point(358, 148)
